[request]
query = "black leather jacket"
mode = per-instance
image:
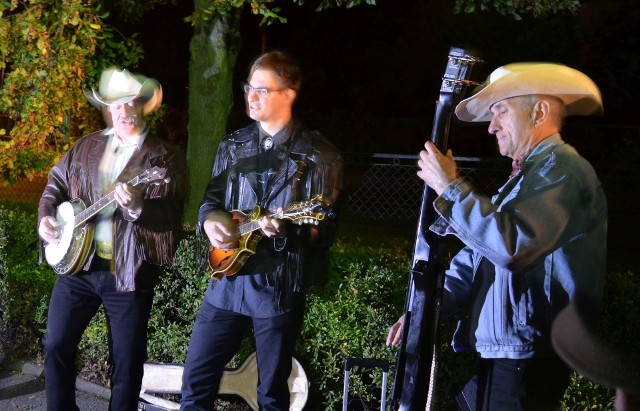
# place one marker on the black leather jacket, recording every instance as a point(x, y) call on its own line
point(153, 235)
point(313, 166)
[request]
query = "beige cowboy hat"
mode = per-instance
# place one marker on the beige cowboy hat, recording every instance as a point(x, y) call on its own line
point(122, 86)
point(590, 352)
point(578, 92)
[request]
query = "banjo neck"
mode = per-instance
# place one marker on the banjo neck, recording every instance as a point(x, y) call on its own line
point(147, 176)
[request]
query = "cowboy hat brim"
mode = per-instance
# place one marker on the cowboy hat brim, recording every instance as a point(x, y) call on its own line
point(577, 91)
point(120, 87)
point(579, 346)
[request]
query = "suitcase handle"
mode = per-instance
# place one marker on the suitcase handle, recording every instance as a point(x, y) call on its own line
point(349, 363)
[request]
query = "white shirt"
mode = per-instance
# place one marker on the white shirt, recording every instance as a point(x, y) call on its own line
point(115, 158)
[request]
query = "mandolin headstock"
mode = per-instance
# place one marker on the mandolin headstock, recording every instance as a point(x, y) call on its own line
point(306, 212)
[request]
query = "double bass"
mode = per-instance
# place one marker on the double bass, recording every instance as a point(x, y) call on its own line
point(414, 380)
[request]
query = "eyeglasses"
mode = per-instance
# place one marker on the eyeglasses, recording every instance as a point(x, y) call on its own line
point(260, 91)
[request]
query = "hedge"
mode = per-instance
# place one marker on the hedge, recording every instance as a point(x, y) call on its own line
point(348, 317)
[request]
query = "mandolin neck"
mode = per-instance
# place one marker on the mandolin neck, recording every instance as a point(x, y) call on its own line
point(254, 225)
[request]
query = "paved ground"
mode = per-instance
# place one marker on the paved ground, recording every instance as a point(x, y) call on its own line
point(22, 388)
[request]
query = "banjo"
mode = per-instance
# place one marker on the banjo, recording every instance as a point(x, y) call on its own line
point(69, 255)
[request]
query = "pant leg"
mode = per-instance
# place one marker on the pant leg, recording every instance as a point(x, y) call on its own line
point(74, 301)
point(127, 316)
point(275, 342)
point(544, 382)
point(515, 385)
point(215, 338)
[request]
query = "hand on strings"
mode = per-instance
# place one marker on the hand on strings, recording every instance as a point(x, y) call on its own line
point(271, 226)
point(395, 333)
point(221, 229)
point(129, 198)
point(436, 169)
point(49, 230)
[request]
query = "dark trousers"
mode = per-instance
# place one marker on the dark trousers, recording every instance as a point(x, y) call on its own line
point(74, 301)
point(536, 384)
point(214, 341)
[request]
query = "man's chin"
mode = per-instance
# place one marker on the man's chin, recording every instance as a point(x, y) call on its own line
point(127, 130)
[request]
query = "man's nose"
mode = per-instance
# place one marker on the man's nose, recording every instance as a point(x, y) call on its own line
point(252, 95)
point(493, 127)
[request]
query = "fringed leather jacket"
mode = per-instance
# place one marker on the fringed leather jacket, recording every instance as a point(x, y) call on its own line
point(150, 238)
point(306, 166)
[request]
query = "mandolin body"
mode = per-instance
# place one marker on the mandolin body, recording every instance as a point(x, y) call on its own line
point(230, 261)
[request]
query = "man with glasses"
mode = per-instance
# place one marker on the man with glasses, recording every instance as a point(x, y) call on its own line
point(274, 164)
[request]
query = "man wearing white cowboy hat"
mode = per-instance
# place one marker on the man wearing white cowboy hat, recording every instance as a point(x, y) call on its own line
point(133, 236)
point(531, 248)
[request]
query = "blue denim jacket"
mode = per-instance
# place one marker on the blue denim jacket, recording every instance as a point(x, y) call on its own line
point(530, 249)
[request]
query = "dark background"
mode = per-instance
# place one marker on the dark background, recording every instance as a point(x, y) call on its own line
point(372, 73)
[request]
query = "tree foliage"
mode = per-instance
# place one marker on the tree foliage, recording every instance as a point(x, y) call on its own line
point(518, 8)
point(50, 50)
point(268, 9)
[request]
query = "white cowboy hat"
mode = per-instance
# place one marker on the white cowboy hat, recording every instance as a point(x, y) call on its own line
point(591, 354)
point(122, 86)
point(578, 92)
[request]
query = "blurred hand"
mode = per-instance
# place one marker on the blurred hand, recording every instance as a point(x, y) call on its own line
point(49, 230)
point(129, 198)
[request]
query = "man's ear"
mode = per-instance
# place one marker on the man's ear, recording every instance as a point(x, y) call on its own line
point(540, 112)
point(291, 94)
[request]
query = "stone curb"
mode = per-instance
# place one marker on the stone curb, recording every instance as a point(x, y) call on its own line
point(82, 385)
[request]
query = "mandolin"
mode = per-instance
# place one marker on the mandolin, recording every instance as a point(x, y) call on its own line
point(228, 262)
point(75, 233)
point(416, 360)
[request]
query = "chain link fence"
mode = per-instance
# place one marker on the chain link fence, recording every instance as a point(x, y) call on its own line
point(384, 188)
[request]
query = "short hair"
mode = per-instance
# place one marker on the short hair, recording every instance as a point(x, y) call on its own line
point(559, 110)
point(283, 65)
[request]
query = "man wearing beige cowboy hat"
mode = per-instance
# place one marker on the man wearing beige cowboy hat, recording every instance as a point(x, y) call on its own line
point(529, 249)
point(605, 357)
point(134, 184)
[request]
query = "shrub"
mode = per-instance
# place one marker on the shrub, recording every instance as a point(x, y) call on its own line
point(348, 317)
point(177, 300)
point(25, 286)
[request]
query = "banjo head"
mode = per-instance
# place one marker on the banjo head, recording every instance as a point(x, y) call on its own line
point(69, 254)
point(65, 216)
